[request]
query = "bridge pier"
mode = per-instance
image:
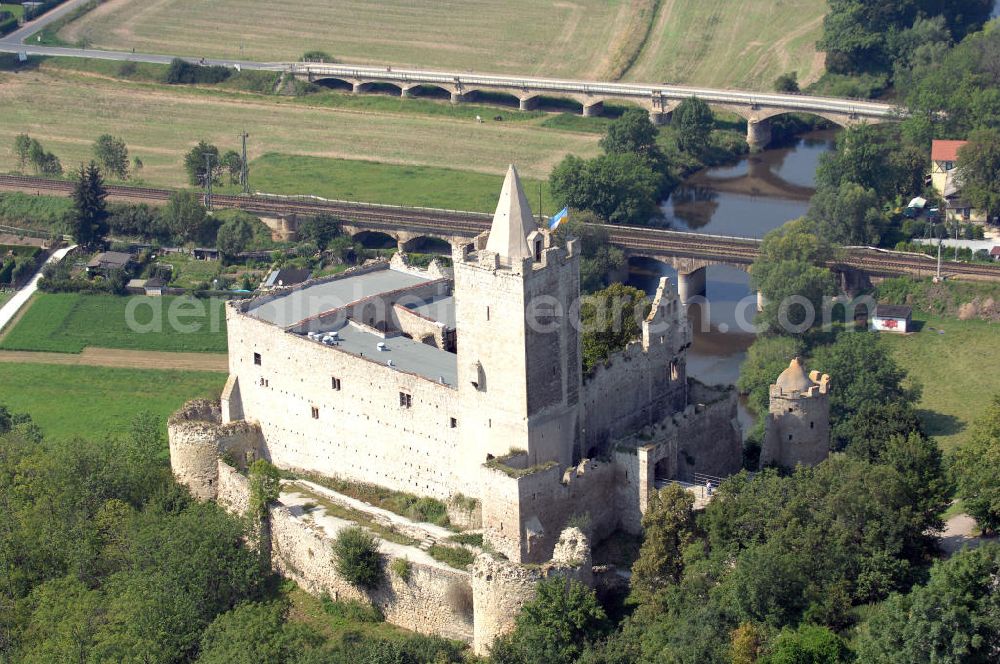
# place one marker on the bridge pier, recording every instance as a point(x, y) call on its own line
point(358, 88)
point(590, 110)
point(691, 285)
point(456, 97)
point(761, 301)
point(758, 134)
point(405, 93)
point(660, 118)
point(527, 103)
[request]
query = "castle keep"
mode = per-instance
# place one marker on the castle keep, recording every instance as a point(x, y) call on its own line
point(465, 383)
point(797, 428)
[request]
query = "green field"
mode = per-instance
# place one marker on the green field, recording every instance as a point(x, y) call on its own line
point(71, 401)
point(422, 186)
point(551, 38)
point(954, 360)
point(704, 42)
point(46, 103)
point(69, 322)
point(720, 43)
point(5, 295)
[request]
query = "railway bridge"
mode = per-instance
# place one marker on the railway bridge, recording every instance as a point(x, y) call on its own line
point(689, 253)
point(757, 108)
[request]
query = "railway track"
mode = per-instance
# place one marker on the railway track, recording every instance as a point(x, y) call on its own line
point(456, 223)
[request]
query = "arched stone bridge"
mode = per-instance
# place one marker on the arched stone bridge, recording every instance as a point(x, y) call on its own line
point(757, 108)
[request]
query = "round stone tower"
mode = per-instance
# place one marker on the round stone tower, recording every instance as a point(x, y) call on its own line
point(797, 429)
point(197, 437)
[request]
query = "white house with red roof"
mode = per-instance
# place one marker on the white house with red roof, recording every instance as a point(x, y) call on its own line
point(948, 184)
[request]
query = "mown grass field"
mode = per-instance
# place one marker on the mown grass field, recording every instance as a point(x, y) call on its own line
point(46, 103)
point(69, 322)
point(954, 360)
point(554, 38)
point(71, 401)
point(423, 186)
point(703, 42)
point(721, 43)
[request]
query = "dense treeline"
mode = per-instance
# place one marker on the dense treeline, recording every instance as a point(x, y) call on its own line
point(103, 557)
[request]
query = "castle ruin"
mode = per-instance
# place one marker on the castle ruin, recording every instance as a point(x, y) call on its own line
point(464, 383)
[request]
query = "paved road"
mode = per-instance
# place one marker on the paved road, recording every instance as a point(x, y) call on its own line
point(9, 310)
point(519, 85)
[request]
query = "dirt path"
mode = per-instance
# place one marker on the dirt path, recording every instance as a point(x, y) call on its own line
point(126, 359)
point(960, 531)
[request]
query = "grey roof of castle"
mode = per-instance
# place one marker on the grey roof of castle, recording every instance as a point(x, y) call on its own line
point(315, 299)
point(441, 310)
point(406, 354)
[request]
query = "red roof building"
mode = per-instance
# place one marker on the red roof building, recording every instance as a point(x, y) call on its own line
point(945, 150)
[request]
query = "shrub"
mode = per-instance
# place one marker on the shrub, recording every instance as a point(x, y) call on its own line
point(183, 72)
point(355, 553)
point(402, 568)
point(454, 556)
point(351, 611)
point(471, 539)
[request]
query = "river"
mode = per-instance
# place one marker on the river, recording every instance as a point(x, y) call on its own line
point(748, 199)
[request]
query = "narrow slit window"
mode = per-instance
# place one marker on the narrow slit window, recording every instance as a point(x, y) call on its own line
point(335, 383)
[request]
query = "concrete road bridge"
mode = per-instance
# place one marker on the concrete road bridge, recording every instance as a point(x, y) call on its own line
point(689, 253)
point(757, 108)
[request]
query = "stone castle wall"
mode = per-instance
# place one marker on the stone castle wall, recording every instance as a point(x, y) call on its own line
point(524, 516)
point(361, 432)
point(435, 600)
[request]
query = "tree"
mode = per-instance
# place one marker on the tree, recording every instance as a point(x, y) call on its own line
point(44, 163)
point(847, 215)
point(196, 164)
point(790, 268)
point(88, 218)
point(112, 154)
point(787, 82)
point(618, 188)
point(554, 627)
point(979, 166)
point(356, 556)
point(599, 260)
point(954, 619)
point(255, 633)
point(232, 162)
point(234, 236)
point(865, 373)
point(694, 121)
point(320, 230)
point(634, 133)
point(809, 644)
point(610, 319)
point(22, 148)
point(668, 527)
point(188, 219)
point(977, 466)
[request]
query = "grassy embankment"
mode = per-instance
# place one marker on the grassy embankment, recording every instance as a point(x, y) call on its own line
point(70, 322)
point(70, 401)
point(952, 359)
point(703, 43)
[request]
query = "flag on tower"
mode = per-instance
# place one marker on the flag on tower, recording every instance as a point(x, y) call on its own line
point(558, 218)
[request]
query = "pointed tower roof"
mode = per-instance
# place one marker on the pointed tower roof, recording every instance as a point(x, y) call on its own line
point(512, 221)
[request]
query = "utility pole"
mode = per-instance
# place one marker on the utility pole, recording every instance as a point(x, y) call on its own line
point(940, 241)
point(244, 166)
point(208, 180)
point(956, 240)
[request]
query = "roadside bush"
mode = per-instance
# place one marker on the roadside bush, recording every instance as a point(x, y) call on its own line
point(183, 72)
point(355, 553)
